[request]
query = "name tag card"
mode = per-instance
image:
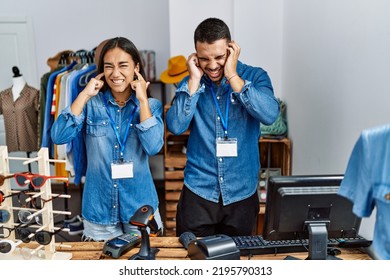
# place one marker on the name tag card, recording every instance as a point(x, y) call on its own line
point(122, 170)
point(227, 147)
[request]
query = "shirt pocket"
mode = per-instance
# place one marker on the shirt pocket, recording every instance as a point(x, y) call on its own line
point(97, 127)
point(382, 194)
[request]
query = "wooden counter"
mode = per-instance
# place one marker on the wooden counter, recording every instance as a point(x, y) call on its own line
point(171, 249)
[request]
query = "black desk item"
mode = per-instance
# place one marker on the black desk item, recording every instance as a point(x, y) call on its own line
point(257, 245)
point(119, 245)
point(144, 218)
point(185, 238)
point(216, 247)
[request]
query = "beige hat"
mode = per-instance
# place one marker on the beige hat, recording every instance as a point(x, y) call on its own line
point(177, 70)
point(54, 61)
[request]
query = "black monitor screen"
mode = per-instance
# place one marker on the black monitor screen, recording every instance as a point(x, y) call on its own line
point(297, 206)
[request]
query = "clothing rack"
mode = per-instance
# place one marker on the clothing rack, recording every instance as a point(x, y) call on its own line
point(80, 56)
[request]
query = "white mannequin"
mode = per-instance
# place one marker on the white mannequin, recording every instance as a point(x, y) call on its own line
point(18, 83)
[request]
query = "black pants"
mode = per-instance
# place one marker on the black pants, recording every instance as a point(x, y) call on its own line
point(205, 218)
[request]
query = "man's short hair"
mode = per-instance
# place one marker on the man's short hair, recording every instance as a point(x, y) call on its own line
point(211, 30)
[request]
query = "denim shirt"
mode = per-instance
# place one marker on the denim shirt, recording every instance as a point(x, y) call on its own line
point(231, 178)
point(367, 183)
point(108, 201)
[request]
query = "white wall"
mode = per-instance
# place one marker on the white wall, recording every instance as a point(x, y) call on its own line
point(74, 25)
point(336, 63)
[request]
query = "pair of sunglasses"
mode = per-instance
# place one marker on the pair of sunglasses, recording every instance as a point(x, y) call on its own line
point(3, 197)
point(8, 246)
point(43, 237)
point(6, 231)
point(36, 180)
point(5, 215)
point(25, 197)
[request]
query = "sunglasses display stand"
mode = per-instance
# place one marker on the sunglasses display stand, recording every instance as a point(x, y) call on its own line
point(47, 252)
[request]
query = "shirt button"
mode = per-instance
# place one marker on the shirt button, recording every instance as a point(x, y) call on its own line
point(116, 147)
point(387, 196)
point(220, 159)
point(117, 127)
point(115, 185)
point(218, 97)
point(114, 206)
point(221, 179)
point(218, 118)
point(119, 111)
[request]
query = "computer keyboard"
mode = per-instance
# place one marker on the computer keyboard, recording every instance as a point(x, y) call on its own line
point(256, 245)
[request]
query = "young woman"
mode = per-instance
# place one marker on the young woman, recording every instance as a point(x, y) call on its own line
point(122, 127)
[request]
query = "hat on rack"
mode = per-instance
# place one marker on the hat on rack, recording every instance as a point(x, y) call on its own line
point(54, 61)
point(177, 70)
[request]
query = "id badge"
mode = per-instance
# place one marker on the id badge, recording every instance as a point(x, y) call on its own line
point(121, 170)
point(227, 147)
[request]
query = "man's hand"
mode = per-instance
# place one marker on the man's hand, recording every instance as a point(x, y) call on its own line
point(195, 72)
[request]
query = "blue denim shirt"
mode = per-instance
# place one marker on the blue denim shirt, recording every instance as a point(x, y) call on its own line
point(205, 174)
point(108, 201)
point(367, 183)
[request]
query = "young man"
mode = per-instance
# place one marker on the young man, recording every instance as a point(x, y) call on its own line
point(222, 102)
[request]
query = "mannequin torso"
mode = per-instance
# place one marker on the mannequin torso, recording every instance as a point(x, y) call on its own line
point(17, 87)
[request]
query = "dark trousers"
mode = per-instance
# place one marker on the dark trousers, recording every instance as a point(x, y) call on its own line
point(205, 218)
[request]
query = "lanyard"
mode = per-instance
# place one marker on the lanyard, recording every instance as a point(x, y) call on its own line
point(223, 120)
point(121, 143)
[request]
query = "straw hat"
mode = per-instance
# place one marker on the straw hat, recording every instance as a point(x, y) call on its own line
point(54, 61)
point(177, 70)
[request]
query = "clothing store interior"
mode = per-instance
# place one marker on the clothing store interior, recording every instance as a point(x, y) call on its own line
point(328, 64)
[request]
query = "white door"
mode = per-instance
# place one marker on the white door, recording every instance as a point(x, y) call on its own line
point(17, 48)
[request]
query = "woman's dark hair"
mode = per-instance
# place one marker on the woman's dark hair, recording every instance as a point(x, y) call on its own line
point(127, 46)
point(211, 30)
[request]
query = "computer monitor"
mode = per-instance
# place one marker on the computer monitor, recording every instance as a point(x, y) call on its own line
point(308, 207)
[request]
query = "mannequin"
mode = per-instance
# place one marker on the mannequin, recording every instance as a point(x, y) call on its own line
point(18, 83)
point(19, 106)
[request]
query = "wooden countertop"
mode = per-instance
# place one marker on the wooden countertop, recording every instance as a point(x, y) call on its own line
point(171, 249)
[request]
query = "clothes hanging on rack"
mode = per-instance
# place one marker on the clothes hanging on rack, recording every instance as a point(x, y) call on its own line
point(61, 88)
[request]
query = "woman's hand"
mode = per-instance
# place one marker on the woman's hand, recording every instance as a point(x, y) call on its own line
point(140, 86)
point(94, 85)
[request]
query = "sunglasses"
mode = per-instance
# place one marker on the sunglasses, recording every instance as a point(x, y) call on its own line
point(28, 253)
point(3, 197)
point(36, 180)
point(7, 231)
point(8, 246)
point(26, 198)
point(43, 237)
point(26, 217)
point(5, 215)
